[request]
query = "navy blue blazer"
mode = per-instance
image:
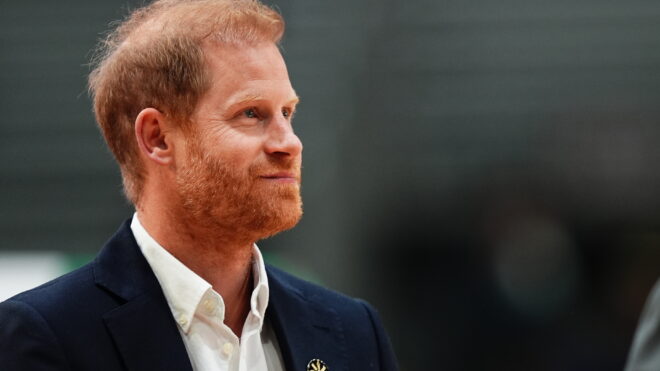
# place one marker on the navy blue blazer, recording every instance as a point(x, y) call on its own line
point(111, 314)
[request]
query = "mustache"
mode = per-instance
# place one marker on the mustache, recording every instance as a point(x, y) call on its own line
point(289, 166)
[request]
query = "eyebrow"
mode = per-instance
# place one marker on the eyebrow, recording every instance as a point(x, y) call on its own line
point(249, 98)
point(246, 99)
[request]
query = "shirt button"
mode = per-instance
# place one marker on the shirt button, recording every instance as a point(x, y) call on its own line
point(209, 306)
point(227, 349)
point(182, 321)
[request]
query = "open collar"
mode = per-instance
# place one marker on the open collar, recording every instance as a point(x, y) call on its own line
point(185, 290)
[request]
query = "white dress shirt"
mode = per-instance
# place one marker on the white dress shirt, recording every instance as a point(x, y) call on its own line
point(200, 312)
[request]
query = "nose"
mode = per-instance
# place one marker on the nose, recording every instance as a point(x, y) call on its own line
point(282, 141)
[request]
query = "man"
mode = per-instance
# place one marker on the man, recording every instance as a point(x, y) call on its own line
point(194, 100)
point(644, 354)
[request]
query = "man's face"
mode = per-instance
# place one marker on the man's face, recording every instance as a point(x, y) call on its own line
point(241, 168)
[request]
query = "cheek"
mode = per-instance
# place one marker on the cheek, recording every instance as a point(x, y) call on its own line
point(237, 148)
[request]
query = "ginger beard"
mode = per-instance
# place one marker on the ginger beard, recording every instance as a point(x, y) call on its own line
point(227, 199)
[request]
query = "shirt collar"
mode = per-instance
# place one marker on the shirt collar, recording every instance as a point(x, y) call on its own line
point(184, 289)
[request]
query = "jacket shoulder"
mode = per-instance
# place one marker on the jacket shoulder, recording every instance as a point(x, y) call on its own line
point(65, 296)
point(38, 326)
point(56, 289)
point(358, 320)
point(311, 291)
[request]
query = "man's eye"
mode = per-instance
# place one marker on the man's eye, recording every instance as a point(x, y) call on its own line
point(251, 113)
point(286, 113)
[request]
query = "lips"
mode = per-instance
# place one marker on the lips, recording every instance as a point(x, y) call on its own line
point(282, 176)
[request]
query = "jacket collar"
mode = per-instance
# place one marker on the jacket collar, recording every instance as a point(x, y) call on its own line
point(142, 326)
point(121, 268)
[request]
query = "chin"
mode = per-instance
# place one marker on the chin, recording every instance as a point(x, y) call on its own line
point(280, 220)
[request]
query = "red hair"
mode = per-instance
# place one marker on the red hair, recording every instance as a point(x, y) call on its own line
point(155, 58)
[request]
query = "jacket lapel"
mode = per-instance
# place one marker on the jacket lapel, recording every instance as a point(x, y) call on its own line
point(142, 327)
point(305, 329)
point(146, 335)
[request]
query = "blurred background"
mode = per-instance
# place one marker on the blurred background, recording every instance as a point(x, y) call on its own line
point(485, 173)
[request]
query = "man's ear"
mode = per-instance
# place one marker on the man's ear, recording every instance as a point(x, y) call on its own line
point(152, 133)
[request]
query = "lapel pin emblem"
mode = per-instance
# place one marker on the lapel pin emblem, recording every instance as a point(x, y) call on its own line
point(317, 365)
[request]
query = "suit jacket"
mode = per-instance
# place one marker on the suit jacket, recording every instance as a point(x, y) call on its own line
point(111, 314)
point(644, 354)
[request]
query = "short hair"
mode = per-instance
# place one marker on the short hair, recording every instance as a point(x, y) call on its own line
point(155, 58)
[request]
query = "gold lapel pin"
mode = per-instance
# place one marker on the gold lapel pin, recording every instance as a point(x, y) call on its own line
point(317, 365)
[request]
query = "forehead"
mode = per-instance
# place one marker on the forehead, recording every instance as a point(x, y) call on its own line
point(245, 63)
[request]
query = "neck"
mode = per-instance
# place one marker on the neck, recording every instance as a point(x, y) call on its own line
point(219, 258)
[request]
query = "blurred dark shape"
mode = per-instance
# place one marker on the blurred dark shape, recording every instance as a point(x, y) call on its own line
point(534, 261)
point(442, 278)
